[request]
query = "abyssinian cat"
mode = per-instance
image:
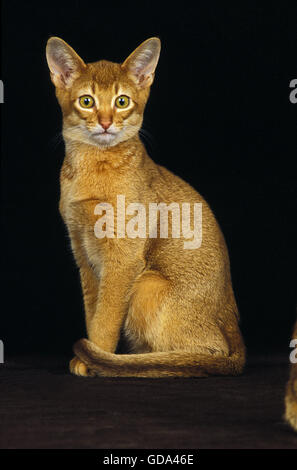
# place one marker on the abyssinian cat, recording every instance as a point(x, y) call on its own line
point(175, 306)
point(291, 393)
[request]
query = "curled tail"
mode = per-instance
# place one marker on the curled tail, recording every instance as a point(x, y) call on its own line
point(157, 364)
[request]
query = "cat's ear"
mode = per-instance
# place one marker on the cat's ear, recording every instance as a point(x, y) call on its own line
point(64, 63)
point(142, 63)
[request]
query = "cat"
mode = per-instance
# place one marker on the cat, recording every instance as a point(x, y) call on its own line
point(291, 393)
point(175, 306)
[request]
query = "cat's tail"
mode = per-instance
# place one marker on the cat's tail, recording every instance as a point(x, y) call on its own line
point(157, 364)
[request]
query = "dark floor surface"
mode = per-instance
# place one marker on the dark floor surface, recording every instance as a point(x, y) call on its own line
point(43, 406)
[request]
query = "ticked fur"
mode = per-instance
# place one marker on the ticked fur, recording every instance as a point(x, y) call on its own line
point(176, 307)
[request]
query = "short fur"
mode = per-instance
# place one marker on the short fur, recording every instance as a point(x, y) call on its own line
point(175, 306)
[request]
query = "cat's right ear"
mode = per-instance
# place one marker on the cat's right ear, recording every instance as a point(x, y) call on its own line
point(64, 63)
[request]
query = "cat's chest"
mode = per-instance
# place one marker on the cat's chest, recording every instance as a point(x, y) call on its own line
point(81, 192)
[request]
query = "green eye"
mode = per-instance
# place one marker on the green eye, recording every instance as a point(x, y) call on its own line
point(122, 101)
point(86, 101)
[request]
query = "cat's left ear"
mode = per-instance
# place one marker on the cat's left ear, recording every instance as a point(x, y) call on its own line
point(64, 63)
point(142, 63)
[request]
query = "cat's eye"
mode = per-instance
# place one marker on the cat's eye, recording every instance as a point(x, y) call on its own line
point(122, 101)
point(86, 101)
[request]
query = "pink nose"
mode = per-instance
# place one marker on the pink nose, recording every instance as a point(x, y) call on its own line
point(105, 124)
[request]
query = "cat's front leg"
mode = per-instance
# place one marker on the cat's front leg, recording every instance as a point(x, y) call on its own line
point(111, 309)
point(90, 288)
point(88, 279)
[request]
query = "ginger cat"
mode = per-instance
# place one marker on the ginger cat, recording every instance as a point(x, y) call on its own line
point(175, 306)
point(291, 393)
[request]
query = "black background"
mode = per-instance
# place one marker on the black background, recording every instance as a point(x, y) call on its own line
point(219, 116)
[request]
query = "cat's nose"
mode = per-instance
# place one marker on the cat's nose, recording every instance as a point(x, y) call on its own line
point(105, 123)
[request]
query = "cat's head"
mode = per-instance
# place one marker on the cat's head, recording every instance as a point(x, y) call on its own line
point(102, 102)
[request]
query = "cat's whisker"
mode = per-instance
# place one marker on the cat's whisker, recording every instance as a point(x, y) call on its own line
point(146, 135)
point(147, 138)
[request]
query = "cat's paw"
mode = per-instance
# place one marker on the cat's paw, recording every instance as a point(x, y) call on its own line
point(77, 367)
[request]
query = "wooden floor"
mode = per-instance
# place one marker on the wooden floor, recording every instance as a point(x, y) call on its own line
point(43, 406)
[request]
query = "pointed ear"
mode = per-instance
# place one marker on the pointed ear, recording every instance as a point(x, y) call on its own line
point(64, 63)
point(142, 63)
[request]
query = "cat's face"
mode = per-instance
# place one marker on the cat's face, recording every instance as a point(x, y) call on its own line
point(102, 102)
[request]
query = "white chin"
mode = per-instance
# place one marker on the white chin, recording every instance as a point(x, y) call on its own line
point(104, 139)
